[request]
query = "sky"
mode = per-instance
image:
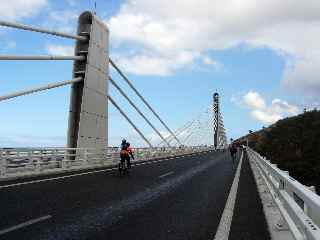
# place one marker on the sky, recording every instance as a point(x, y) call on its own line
point(262, 58)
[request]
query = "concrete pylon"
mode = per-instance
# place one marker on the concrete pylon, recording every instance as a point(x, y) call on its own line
point(216, 119)
point(88, 115)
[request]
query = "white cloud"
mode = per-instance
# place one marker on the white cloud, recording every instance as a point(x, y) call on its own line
point(17, 9)
point(267, 114)
point(63, 50)
point(150, 64)
point(302, 74)
point(157, 36)
point(144, 65)
point(62, 21)
point(265, 117)
point(280, 106)
point(291, 28)
point(211, 62)
point(253, 100)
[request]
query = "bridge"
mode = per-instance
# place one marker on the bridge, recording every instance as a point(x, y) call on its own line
point(177, 189)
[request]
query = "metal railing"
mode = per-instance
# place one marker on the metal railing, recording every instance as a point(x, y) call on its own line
point(299, 206)
point(17, 163)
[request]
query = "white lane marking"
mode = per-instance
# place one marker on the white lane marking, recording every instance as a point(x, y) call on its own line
point(55, 178)
point(166, 174)
point(226, 219)
point(25, 224)
point(74, 175)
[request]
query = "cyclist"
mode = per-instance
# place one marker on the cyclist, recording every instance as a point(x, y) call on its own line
point(124, 153)
point(130, 154)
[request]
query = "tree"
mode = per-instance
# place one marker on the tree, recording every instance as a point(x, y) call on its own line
point(294, 144)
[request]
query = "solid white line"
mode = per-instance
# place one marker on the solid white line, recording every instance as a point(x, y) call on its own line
point(25, 224)
point(226, 219)
point(166, 174)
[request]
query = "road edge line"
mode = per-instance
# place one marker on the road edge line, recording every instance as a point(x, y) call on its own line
point(24, 224)
point(226, 218)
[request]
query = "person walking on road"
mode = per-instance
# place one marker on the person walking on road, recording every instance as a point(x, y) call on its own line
point(233, 151)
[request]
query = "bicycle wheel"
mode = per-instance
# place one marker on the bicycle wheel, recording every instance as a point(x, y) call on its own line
point(121, 168)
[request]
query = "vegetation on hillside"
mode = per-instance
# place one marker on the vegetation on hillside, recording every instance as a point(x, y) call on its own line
point(294, 144)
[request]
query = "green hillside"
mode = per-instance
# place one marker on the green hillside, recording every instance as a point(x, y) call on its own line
point(294, 144)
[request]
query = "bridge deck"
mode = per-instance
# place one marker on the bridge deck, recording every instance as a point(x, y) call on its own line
point(179, 198)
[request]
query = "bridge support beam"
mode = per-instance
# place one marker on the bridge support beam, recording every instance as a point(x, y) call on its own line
point(216, 119)
point(88, 114)
point(220, 139)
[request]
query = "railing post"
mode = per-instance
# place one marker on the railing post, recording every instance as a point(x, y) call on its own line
point(66, 158)
point(30, 154)
point(115, 157)
point(3, 163)
point(55, 157)
point(282, 182)
point(85, 160)
point(312, 188)
point(38, 165)
point(103, 156)
point(306, 208)
point(145, 154)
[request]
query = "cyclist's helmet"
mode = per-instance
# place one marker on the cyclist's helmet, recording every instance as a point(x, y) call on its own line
point(123, 141)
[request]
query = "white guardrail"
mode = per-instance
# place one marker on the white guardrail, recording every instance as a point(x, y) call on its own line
point(299, 206)
point(23, 162)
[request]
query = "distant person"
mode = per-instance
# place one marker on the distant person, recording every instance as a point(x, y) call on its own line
point(233, 151)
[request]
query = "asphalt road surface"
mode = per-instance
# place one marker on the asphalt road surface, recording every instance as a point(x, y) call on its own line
point(180, 198)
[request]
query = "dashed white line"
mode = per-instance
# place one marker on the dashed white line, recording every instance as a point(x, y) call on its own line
point(24, 224)
point(166, 174)
point(226, 219)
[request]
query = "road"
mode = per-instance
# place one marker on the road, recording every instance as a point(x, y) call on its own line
point(180, 198)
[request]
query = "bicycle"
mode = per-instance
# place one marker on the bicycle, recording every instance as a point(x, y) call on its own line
point(123, 168)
